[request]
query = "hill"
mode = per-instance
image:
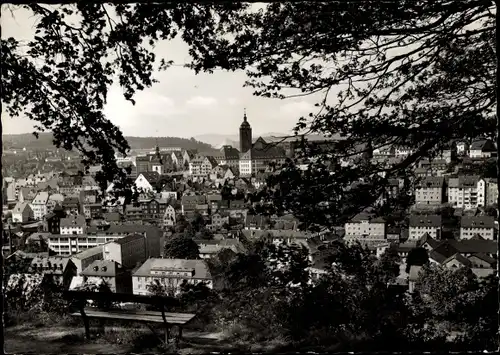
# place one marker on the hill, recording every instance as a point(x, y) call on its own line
point(44, 142)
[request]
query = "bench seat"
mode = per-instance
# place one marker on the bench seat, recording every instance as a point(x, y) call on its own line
point(139, 316)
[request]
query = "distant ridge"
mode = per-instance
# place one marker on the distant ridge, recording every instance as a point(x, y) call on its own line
point(44, 142)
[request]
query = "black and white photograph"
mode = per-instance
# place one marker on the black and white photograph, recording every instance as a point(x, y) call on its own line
point(189, 177)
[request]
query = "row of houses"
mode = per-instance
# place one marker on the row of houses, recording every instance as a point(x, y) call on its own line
point(372, 230)
point(467, 192)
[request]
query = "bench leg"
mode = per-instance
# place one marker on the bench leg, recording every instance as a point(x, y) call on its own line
point(180, 333)
point(85, 324)
point(167, 331)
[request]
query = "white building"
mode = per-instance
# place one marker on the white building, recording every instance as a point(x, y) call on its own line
point(169, 216)
point(202, 165)
point(482, 225)
point(463, 192)
point(365, 229)
point(170, 273)
point(422, 224)
point(22, 213)
point(83, 259)
point(39, 205)
point(482, 148)
point(146, 181)
point(73, 225)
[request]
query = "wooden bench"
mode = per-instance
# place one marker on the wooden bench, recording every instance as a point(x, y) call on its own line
point(163, 303)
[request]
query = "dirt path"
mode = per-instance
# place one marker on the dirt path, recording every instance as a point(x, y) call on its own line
point(23, 339)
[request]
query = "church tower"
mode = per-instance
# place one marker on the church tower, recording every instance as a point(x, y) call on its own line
point(245, 135)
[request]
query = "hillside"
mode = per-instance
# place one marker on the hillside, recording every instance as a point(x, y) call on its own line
point(44, 142)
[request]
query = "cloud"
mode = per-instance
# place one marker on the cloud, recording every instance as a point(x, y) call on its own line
point(201, 101)
point(151, 109)
point(233, 101)
point(296, 108)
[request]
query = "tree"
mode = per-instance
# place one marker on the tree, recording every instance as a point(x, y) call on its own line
point(180, 247)
point(438, 85)
point(416, 256)
point(60, 79)
point(198, 222)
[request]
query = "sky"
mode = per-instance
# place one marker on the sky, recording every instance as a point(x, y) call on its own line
point(182, 104)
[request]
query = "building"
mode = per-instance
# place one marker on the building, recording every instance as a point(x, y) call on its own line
point(482, 148)
point(209, 248)
point(128, 251)
point(71, 205)
point(422, 224)
point(462, 148)
point(219, 219)
point(112, 273)
point(261, 157)
point(169, 216)
point(146, 181)
point(92, 210)
point(22, 213)
point(73, 225)
point(98, 235)
point(83, 259)
point(228, 156)
point(245, 135)
point(483, 226)
point(39, 205)
point(170, 273)
point(365, 229)
point(462, 192)
point(189, 203)
point(487, 192)
point(133, 213)
point(430, 191)
point(202, 165)
point(60, 269)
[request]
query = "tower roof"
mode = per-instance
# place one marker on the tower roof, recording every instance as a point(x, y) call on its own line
point(245, 123)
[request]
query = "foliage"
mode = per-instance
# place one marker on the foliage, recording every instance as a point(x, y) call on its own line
point(379, 76)
point(467, 304)
point(34, 293)
point(61, 77)
point(158, 289)
point(181, 247)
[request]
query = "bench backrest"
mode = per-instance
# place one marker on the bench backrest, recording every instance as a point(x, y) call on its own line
point(162, 301)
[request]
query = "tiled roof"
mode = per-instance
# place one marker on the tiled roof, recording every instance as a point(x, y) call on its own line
point(75, 221)
point(431, 182)
point(48, 264)
point(426, 238)
point(477, 222)
point(460, 258)
point(101, 268)
point(484, 257)
point(199, 267)
point(128, 239)
point(463, 181)
point(230, 153)
point(20, 206)
point(425, 221)
point(41, 198)
point(484, 145)
point(367, 217)
point(89, 252)
point(263, 150)
point(151, 176)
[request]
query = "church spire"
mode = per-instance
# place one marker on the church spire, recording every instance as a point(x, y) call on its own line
point(245, 134)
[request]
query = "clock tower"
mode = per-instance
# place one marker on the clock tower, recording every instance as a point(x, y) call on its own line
point(245, 135)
